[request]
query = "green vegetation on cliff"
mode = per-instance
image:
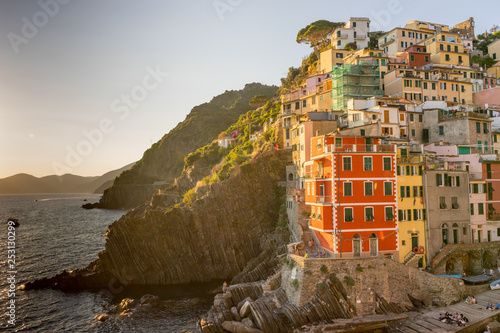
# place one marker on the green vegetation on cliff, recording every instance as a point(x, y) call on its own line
point(164, 161)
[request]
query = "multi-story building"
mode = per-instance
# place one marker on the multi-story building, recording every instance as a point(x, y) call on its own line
point(399, 39)
point(478, 215)
point(470, 130)
point(491, 175)
point(446, 48)
point(494, 50)
point(414, 56)
point(411, 206)
point(351, 189)
point(330, 59)
point(355, 81)
point(355, 31)
point(446, 192)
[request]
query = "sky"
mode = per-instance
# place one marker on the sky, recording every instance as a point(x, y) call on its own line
point(86, 86)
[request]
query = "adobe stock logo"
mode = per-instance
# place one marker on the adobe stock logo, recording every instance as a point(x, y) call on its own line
point(223, 6)
point(30, 28)
point(120, 106)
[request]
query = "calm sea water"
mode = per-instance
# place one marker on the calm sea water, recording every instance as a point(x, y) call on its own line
point(55, 235)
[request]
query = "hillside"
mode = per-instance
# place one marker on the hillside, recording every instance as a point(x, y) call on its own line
point(24, 184)
point(164, 161)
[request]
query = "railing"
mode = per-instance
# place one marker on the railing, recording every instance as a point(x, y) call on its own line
point(493, 217)
point(342, 36)
point(392, 39)
point(323, 199)
point(461, 114)
point(360, 37)
point(410, 159)
point(360, 148)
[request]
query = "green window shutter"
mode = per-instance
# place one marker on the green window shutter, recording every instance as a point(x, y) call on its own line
point(402, 191)
point(423, 214)
point(438, 179)
point(408, 170)
point(398, 172)
point(408, 191)
point(458, 180)
point(421, 191)
point(400, 214)
point(420, 170)
point(414, 214)
point(446, 180)
point(409, 214)
point(484, 188)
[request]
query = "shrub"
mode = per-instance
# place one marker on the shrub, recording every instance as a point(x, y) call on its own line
point(359, 268)
point(323, 269)
point(295, 284)
point(349, 280)
point(291, 264)
point(308, 272)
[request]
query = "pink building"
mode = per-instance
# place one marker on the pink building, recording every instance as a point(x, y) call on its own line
point(488, 96)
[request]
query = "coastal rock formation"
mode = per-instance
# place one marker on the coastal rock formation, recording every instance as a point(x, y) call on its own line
point(210, 239)
point(164, 161)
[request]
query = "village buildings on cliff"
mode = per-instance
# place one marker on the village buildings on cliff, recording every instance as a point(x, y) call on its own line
point(395, 147)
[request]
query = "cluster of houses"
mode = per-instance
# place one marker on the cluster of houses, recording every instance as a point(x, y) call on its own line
point(395, 151)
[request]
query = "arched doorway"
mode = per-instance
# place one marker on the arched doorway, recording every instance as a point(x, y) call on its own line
point(356, 245)
point(373, 245)
point(444, 232)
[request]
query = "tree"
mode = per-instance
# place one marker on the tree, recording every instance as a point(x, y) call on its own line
point(351, 46)
point(258, 101)
point(374, 36)
point(317, 34)
point(485, 62)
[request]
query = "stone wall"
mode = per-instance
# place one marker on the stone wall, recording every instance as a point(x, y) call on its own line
point(457, 259)
point(369, 280)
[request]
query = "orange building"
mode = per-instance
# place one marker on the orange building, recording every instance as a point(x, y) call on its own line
point(351, 189)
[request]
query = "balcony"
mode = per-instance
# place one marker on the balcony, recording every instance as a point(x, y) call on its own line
point(319, 199)
point(493, 217)
point(342, 36)
point(360, 148)
point(316, 174)
point(410, 159)
point(361, 37)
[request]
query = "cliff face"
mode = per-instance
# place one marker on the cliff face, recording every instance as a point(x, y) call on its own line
point(212, 238)
point(164, 161)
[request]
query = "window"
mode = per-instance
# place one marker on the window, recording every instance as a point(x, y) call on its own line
point(478, 127)
point(433, 86)
point(485, 128)
point(387, 188)
point(347, 163)
point(412, 57)
point(304, 103)
point(447, 57)
point(442, 203)
point(338, 142)
point(413, 132)
point(420, 118)
point(441, 130)
point(494, 138)
point(403, 33)
point(339, 42)
point(426, 58)
point(362, 132)
point(441, 47)
point(387, 164)
point(354, 24)
point(480, 208)
point(368, 188)
point(339, 55)
point(402, 215)
point(411, 117)
point(389, 214)
point(425, 85)
point(454, 203)
point(471, 209)
point(348, 214)
point(347, 189)
point(442, 85)
point(369, 214)
point(367, 166)
point(404, 191)
point(417, 214)
point(439, 179)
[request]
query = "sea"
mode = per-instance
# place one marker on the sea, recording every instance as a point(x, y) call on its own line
point(56, 234)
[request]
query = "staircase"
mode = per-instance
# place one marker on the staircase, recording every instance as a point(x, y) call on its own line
point(409, 257)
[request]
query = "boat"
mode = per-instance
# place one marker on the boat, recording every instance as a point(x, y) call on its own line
point(477, 279)
point(495, 285)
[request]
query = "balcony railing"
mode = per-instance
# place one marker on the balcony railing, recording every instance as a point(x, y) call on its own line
point(360, 37)
point(493, 217)
point(324, 199)
point(360, 148)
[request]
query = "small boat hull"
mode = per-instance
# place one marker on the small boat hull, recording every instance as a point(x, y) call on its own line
point(495, 285)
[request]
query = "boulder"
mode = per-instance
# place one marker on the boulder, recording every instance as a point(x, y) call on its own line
point(126, 304)
point(150, 300)
point(248, 322)
point(237, 327)
point(240, 304)
point(235, 313)
point(101, 317)
point(245, 309)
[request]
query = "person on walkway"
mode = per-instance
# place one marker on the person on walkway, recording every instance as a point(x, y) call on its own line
point(306, 255)
point(224, 287)
point(311, 245)
point(497, 306)
point(490, 306)
point(492, 272)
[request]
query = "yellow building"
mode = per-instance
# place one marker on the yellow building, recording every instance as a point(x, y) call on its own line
point(331, 58)
point(494, 50)
point(446, 48)
point(411, 208)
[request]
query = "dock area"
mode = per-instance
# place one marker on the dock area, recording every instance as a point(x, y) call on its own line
point(428, 319)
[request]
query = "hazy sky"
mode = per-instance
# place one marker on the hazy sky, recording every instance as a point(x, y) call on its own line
point(86, 86)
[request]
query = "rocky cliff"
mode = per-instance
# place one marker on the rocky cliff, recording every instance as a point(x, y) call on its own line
point(213, 237)
point(164, 161)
